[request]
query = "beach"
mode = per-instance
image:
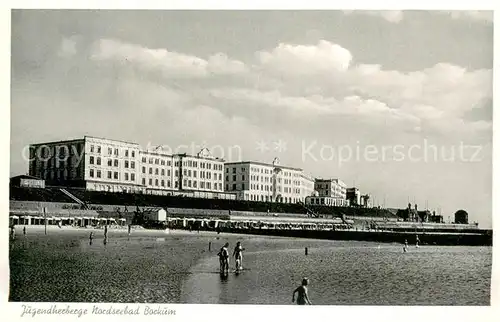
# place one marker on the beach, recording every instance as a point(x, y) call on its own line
point(178, 267)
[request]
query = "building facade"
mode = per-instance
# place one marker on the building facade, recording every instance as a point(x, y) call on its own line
point(334, 188)
point(257, 181)
point(306, 186)
point(91, 163)
point(354, 196)
point(327, 201)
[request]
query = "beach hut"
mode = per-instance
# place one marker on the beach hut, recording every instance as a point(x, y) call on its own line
point(14, 220)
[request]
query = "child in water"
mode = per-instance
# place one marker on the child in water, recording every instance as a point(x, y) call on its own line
point(302, 298)
point(224, 258)
point(238, 256)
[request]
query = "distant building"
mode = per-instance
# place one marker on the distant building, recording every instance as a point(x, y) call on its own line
point(334, 188)
point(354, 196)
point(258, 181)
point(27, 181)
point(327, 201)
point(461, 217)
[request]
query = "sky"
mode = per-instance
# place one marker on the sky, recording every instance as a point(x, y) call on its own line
point(396, 103)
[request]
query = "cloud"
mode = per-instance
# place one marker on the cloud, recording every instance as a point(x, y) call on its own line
point(170, 64)
point(393, 16)
point(473, 15)
point(306, 59)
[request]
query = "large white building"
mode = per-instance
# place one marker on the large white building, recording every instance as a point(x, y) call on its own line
point(117, 166)
point(91, 163)
point(257, 181)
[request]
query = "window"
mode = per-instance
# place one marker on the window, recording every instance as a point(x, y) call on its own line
point(133, 154)
point(110, 151)
point(195, 184)
point(243, 169)
point(115, 175)
point(91, 160)
point(126, 176)
point(91, 173)
point(194, 173)
point(150, 181)
point(126, 164)
point(242, 186)
point(189, 173)
point(143, 159)
point(227, 170)
point(202, 185)
point(234, 186)
point(132, 164)
point(116, 151)
point(157, 161)
point(220, 176)
point(234, 177)
point(150, 170)
point(168, 173)
point(176, 173)
point(162, 172)
point(98, 160)
point(163, 183)
point(144, 181)
point(132, 177)
point(227, 178)
point(156, 182)
point(243, 177)
point(156, 171)
point(91, 148)
point(116, 163)
point(220, 186)
point(143, 169)
point(126, 153)
point(98, 173)
point(99, 149)
point(109, 174)
point(168, 183)
point(227, 187)
point(209, 185)
point(189, 183)
point(162, 162)
point(234, 170)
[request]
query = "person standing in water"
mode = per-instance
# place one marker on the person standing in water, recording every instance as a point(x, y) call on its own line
point(238, 256)
point(224, 258)
point(302, 296)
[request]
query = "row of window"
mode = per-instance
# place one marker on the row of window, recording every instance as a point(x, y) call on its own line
point(186, 184)
point(127, 164)
point(185, 163)
point(97, 149)
point(112, 175)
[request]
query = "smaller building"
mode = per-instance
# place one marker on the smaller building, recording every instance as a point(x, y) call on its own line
point(461, 217)
point(27, 181)
point(354, 196)
point(327, 201)
point(156, 214)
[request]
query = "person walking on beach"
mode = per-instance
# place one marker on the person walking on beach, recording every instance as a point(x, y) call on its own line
point(24, 230)
point(224, 258)
point(129, 229)
point(238, 256)
point(105, 231)
point(302, 297)
point(13, 232)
